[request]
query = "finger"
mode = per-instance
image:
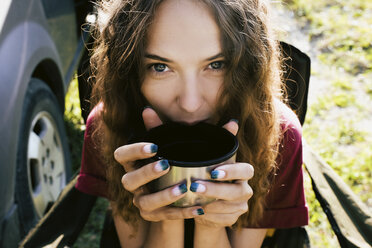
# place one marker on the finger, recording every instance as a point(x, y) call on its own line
point(133, 152)
point(172, 213)
point(224, 191)
point(160, 199)
point(150, 118)
point(237, 171)
point(132, 180)
point(139, 192)
point(232, 126)
point(216, 220)
point(226, 207)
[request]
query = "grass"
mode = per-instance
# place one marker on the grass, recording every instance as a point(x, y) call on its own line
point(75, 126)
point(333, 122)
point(340, 28)
point(338, 123)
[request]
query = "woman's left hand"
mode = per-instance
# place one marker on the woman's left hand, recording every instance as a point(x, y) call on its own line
point(232, 198)
point(232, 191)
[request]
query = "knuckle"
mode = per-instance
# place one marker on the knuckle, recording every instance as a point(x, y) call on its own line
point(251, 169)
point(186, 213)
point(126, 184)
point(244, 207)
point(247, 191)
point(135, 201)
point(142, 204)
point(171, 214)
point(117, 155)
point(234, 220)
point(250, 191)
point(146, 215)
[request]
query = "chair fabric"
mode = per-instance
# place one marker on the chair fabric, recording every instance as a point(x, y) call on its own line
point(349, 217)
point(67, 217)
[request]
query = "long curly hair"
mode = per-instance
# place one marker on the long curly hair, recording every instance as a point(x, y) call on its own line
point(251, 86)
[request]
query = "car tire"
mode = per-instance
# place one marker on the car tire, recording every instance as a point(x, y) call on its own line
point(43, 157)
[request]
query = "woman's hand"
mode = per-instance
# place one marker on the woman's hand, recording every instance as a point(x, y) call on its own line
point(232, 197)
point(153, 207)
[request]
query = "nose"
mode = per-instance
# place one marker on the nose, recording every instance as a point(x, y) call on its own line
point(190, 97)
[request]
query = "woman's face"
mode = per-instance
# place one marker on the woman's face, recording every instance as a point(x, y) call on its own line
point(184, 63)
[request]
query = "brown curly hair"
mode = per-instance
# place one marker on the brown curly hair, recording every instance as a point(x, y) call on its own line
point(251, 86)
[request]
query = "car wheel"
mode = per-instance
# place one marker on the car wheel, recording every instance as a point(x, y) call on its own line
point(43, 158)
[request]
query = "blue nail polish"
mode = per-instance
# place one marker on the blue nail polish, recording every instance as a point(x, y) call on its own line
point(194, 187)
point(153, 148)
point(200, 211)
point(164, 164)
point(182, 188)
point(235, 120)
point(214, 174)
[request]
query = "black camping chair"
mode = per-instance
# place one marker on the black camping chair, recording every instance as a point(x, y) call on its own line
point(349, 217)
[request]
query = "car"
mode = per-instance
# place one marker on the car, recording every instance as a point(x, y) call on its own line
point(41, 46)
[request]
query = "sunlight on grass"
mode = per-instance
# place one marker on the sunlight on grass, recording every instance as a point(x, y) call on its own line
point(74, 124)
point(338, 124)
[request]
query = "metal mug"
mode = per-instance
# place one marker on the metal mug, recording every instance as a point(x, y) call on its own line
point(192, 152)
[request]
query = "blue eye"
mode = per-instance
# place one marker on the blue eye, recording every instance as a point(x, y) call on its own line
point(159, 67)
point(217, 65)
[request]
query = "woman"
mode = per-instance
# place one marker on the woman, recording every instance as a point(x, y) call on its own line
point(192, 61)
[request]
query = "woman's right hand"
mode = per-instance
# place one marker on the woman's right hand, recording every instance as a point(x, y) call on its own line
point(152, 206)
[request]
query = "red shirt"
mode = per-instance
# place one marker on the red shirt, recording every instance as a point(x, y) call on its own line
point(286, 205)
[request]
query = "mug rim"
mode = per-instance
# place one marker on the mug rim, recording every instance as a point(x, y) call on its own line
point(197, 164)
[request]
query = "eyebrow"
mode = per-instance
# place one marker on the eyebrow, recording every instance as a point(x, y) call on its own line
point(217, 56)
point(157, 57)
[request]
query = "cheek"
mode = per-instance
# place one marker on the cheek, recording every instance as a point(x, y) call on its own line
point(158, 94)
point(213, 90)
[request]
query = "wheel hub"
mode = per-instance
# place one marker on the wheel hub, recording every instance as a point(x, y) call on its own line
point(46, 162)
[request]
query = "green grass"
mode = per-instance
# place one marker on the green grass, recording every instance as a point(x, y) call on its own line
point(340, 30)
point(75, 126)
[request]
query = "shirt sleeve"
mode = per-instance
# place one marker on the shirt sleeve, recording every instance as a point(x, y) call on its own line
point(285, 203)
point(92, 177)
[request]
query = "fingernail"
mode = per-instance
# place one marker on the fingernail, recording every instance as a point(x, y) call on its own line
point(198, 211)
point(235, 120)
point(162, 165)
point(218, 174)
point(197, 187)
point(150, 148)
point(179, 190)
point(146, 107)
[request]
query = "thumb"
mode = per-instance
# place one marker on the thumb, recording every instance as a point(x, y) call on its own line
point(232, 126)
point(150, 118)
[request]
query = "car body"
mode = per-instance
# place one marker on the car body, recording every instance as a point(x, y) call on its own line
point(41, 42)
